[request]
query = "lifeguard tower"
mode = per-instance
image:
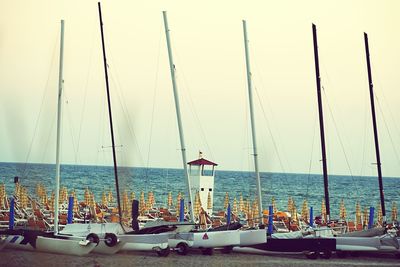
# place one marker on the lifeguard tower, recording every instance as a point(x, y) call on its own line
point(201, 175)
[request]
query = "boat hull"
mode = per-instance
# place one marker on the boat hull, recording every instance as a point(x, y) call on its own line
point(76, 247)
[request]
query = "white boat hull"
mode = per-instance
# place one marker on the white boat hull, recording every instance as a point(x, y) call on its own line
point(145, 242)
point(14, 242)
point(376, 243)
point(252, 237)
point(76, 247)
point(206, 239)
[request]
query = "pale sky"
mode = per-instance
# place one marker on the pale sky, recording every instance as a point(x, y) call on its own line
point(208, 48)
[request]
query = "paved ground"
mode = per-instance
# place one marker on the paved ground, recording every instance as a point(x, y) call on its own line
point(194, 258)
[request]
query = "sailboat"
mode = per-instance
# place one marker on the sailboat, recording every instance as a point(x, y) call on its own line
point(52, 242)
point(205, 240)
point(293, 241)
point(375, 239)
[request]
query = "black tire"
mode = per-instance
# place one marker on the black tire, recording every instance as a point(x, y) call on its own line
point(398, 255)
point(227, 250)
point(110, 239)
point(182, 248)
point(341, 254)
point(163, 252)
point(327, 254)
point(92, 237)
point(207, 251)
point(312, 255)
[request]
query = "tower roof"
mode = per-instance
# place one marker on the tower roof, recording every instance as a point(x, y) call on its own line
point(202, 161)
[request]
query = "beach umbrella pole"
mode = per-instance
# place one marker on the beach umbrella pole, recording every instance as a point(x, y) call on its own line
point(270, 220)
point(311, 217)
point(182, 210)
point(371, 217)
point(70, 209)
point(11, 220)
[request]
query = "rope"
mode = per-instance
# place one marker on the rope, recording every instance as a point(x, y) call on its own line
point(312, 152)
point(24, 169)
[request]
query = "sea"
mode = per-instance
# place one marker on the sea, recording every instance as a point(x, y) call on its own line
point(279, 186)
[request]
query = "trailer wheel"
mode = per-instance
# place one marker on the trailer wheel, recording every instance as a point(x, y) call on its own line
point(163, 252)
point(110, 239)
point(92, 237)
point(355, 254)
point(207, 251)
point(312, 255)
point(227, 249)
point(326, 254)
point(182, 248)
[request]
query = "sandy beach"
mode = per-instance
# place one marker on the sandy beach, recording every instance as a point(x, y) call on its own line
point(195, 258)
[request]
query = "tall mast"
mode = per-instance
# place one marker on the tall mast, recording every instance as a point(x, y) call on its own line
point(378, 158)
point(58, 146)
point(110, 115)
point(178, 114)
point(253, 125)
point(321, 122)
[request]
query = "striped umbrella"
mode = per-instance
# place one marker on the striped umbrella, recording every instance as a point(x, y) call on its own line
point(304, 210)
point(104, 200)
point(235, 208)
point(125, 202)
point(86, 196)
point(365, 217)
point(295, 217)
point(226, 201)
point(76, 203)
point(142, 203)
point(255, 211)
point(169, 200)
point(380, 216)
point(209, 202)
point(241, 203)
point(342, 211)
point(273, 202)
point(323, 211)
point(197, 205)
point(110, 196)
point(358, 213)
point(394, 211)
point(290, 204)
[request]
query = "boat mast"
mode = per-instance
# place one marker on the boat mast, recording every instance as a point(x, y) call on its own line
point(58, 145)
point(253, 125)
point(178, 114)
point(378, 158)
point(321, 123)
point(110, 116)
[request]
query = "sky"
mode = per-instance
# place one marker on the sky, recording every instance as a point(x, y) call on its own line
point(208, 48)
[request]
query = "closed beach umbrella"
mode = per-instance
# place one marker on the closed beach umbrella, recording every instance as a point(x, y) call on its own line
point(365, 216)
point(226, 200)
point(125, 201)
point(169, 200)
point(323, 211)
point(196, 204)
point(380, 217)
point(86, 196)
point(304, 211)
point(209, 202)
point(255, 211)
point(273, 202)
point(342, 211)
point(133, 196)
point(290, 204)
point(104, 200)
point(394, 211)
point(294, 214)
point(241, 203)
point(358, 213)
point(235, 208)
point(142, 203)
point(110, 196)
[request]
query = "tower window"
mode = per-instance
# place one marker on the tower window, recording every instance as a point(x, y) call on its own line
point(210, 189)
point(202, 189)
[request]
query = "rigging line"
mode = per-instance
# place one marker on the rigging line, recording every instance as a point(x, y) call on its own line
point(48, 138)
point(85, 91)
point(100, 139)
point(121, 98)
point(71, 128)
point(24, 172)
point(192, 106)
point(384, 98)
point(279, 140)
point(270, 132)
point(154, 104)
point(387, 129)
point(340, 140)
point(312, 152)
